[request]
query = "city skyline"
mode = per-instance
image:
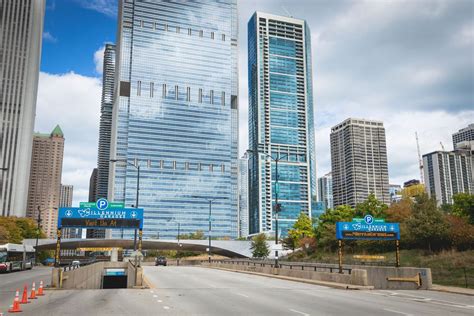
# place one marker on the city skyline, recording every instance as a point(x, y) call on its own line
point(403, 112)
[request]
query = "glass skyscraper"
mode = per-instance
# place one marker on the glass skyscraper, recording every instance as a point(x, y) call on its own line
point(175, 114)
point(280, 121)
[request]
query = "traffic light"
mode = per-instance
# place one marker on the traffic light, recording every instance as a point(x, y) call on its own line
point(277, 207)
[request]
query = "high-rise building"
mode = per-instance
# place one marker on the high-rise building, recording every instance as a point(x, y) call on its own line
point(395, 191)
point(463, 135)
point(65, 200)
point(103, 159)
point(65, 195)
point(93, 185)
point(175, 115)
point(359, 162)
point(45, 178)
point(325, 191)
point(280, 121)
point(244, 196)
point(448, 173)
point(21, 30)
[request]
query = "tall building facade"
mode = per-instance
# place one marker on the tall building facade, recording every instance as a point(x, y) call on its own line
point(325, 191)
point(463, 135)
point(65, 195)
point(280, 121)
point(176, 115)
point(448, 173)
point(359, 162)
point(45, 179)
point(103, 159)
point(21, 29)
point(244, 196)
point(93, 185)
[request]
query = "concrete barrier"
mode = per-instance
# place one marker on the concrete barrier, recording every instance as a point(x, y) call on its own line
point(90, 276)
point(378, 277)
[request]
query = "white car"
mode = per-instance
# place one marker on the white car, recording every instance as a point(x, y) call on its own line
point(76, 263)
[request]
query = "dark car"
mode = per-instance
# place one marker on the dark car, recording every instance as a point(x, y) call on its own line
point(160, 261)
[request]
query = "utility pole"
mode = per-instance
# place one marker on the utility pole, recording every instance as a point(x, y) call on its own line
point(38, 230)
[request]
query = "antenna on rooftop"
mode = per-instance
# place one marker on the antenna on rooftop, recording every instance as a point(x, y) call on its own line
point(420, 162)
point(287, 12)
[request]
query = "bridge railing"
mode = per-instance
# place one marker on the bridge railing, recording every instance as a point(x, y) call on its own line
point(304, 266)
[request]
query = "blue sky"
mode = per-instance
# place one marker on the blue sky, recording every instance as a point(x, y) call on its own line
point(75, 33)
point(409, 64)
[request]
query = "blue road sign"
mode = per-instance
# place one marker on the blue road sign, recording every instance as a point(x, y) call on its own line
point(102, 204)
point(364, 230)
point(107, 218)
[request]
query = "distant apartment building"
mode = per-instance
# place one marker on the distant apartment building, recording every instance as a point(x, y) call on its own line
point(21, 30)
point(105, 127)
point(243, 196)
point(281, 122)
point(359, 162)
point(448, 173)
point(66, 195)
point(325, 191)
point(395, 191)
point(45, 178)
point(463, 135)
point(93, 186)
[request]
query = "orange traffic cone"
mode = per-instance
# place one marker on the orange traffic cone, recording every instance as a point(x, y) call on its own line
point(33, 292)
point(40, 290)
point(15, 308)
point(24, 298)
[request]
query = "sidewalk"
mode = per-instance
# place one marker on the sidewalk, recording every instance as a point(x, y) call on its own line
point(452, 289)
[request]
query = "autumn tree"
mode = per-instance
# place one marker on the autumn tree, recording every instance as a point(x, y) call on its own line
point(259, 246)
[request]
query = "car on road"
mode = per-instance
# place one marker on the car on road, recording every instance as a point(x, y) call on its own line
point(76, 263)
point(160, 261)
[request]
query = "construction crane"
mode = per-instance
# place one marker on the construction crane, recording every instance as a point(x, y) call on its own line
point(442, 146)
point(420, 162)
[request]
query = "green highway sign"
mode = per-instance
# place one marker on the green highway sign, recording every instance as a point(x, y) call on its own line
point(375, 220)
point(94, 205)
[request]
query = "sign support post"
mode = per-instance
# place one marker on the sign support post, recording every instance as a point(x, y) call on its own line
point(339, 241)
point(140, 237)
point(397, 264)
point(58, 248)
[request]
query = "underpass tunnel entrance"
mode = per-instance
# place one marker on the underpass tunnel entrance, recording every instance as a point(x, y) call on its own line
point(114, 278)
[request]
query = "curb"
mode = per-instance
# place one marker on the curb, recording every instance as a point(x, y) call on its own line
point(452, 290)
point(341, 286)
point(147, 283)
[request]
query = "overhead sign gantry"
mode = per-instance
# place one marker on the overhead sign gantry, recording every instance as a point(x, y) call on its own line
point(101, 214)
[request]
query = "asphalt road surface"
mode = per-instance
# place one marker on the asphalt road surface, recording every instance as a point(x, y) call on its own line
point(203, 291)
point(10, 282)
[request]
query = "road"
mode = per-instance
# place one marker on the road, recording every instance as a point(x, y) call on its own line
point(10, 282)
point(202, 291)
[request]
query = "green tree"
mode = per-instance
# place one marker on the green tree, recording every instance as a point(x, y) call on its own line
point(198, 235)
point(463, 206)
point(371, 206)
point(259, 246)
point(303, 227)
point(325, 230)
point(427, 228)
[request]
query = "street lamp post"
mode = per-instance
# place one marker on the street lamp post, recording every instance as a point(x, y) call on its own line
point(136, 166)
point(38, 230)
point(210, 227)
point(277, 207)
point(179, 233)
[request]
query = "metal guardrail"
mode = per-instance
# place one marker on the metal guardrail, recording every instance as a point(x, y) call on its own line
point(317, 267)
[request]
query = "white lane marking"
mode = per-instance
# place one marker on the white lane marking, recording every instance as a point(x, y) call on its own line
point(160, 301)
point(397, 312)
point(155, 296)
point(298, 312)
point(166, 307)
point(242, 295)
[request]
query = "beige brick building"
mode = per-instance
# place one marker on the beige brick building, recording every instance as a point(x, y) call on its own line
point(45, 178)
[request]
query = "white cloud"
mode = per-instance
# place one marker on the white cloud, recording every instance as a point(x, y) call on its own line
point(106, 7)
point(73, 102)
point(99, 60)
point(48, 37)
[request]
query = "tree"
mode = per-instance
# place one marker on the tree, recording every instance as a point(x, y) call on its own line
point(325, 230)
point(427, 227)
point(399, 211)
point(463, 206)
point(259, 246)
point(371, 206)
point(198, 235)
point(303, 227)
point(461, 233)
